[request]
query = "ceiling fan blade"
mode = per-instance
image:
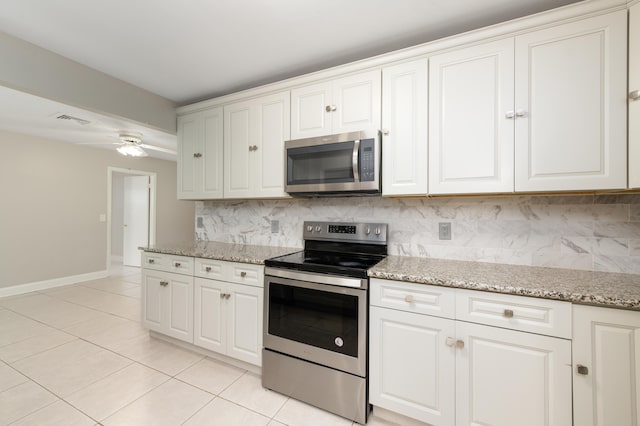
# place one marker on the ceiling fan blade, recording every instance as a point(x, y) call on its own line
point(157, 148)
point(98, 143)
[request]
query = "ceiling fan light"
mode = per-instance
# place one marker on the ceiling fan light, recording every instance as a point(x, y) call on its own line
point(131, 150)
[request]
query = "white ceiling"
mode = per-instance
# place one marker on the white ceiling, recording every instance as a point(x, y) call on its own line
point(192, 50)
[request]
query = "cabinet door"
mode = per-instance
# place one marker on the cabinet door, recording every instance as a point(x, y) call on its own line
point(506, 378)
point(404, 120)
point(189, 143)
point(357, 102)
point(471, 139)
point(311, 111)
point(570, 106)
point(179, 294)
point(237, 140)
point(153, 304)
point(209, 327)
point(634, 96)
point(412, 370)
point(607, 343)
point(272, 126)
point(210, 158)
point(244, 307)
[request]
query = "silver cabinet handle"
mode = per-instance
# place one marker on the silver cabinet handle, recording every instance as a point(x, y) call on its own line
point(253, 147)
point(164, 283)
point(582, 369)
point(197, 155)
point(408, 298)
point(521, 113)
point(207, 269)
point(330, 108)
point(510, 114)
point(243, 274)
point(508, 313)
point(354, 160)
point(385, 131)
point(450, 341)
point(635, 95)
point(151, 261)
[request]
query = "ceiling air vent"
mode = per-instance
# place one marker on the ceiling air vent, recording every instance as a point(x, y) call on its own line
point(76, 119)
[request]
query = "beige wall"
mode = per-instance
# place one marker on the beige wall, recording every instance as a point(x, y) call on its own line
point(31, 69)
point(52, 195)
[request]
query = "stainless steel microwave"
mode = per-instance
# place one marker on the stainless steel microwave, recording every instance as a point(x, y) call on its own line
point(343, 164)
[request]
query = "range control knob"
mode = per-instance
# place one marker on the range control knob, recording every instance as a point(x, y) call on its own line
point(377, 231)
point(367, 230)
point(309, 228)
point(318, 228)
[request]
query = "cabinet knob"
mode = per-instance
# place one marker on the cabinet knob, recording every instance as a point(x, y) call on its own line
point(385, 131)
point(253, 147)
point(408, 298)
point(164, 283)
point(243, 274)
point(450, 341)
point(177, 264)
point(151, 261)
point(330, 108)
point(197, 155)
point(521, 113)
point(635, 95)
point(460, 344)
point(510, 114)
point(207, 269)
point(582, 369)
point(508, 313)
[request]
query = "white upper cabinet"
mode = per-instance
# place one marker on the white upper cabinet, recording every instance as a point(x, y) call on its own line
point(634, 96)
point(570, 106)
point(404, 124)
point(470, 138)
point(346, 104)
point(200, 155)
point(254, 136)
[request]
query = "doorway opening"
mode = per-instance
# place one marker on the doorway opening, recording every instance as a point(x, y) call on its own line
point(131, 215)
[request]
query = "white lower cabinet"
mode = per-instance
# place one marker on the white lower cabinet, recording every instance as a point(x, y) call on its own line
point(606, 366)
point(228, 319)
point(167, 303)
point(443, 371)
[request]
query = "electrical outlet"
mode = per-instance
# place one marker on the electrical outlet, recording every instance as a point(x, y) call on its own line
point(444, 230)
point(275, 226)
point(199, 222)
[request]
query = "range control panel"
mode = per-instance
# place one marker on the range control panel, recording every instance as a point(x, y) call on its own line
point(346, 231)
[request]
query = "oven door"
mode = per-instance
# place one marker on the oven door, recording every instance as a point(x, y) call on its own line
point(346, 162)
point(321, 323)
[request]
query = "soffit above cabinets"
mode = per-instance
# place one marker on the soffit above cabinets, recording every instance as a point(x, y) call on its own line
point(189, 51)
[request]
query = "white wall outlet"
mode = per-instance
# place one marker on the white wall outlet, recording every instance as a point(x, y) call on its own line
point(444, 230)
point(102, 217)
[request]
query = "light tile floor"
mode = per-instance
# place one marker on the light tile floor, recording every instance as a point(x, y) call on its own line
point(77, 355)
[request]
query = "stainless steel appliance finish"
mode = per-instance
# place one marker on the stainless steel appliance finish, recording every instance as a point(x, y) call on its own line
point(316, 317)
point(342, 164)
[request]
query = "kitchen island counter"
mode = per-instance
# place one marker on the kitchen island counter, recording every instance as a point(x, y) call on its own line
point(606, 289)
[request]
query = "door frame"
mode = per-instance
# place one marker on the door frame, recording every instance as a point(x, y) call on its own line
point(152, 204)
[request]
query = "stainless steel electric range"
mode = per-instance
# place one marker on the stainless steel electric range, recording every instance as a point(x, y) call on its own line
point(316, 317)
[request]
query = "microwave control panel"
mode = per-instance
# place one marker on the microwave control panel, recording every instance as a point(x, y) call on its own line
point(367, 156)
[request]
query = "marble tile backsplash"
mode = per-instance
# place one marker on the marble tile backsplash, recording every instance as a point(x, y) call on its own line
point(589, 232)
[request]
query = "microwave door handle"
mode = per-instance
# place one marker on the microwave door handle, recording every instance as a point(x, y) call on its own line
point(356, 150)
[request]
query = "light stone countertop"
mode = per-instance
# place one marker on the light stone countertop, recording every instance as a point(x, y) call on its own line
point(607, 289)
point(243, 253)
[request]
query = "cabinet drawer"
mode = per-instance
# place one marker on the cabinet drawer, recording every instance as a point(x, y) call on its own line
point(418, 298)
point(245, 273)
point(542, 316)
point(168, 263)
point(209, 268)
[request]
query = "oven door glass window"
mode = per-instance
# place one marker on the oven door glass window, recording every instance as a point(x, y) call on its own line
point(322, 164)
point(314, 317)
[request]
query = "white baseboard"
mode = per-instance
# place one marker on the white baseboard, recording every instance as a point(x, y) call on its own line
point(56, 282)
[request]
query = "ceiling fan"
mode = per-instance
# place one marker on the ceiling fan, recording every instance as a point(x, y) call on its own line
point(131, 145)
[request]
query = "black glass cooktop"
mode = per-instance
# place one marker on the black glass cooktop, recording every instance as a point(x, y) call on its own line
point(347, 264)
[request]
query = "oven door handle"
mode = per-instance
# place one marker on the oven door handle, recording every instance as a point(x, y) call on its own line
point(354, 160)
point(315, 279)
